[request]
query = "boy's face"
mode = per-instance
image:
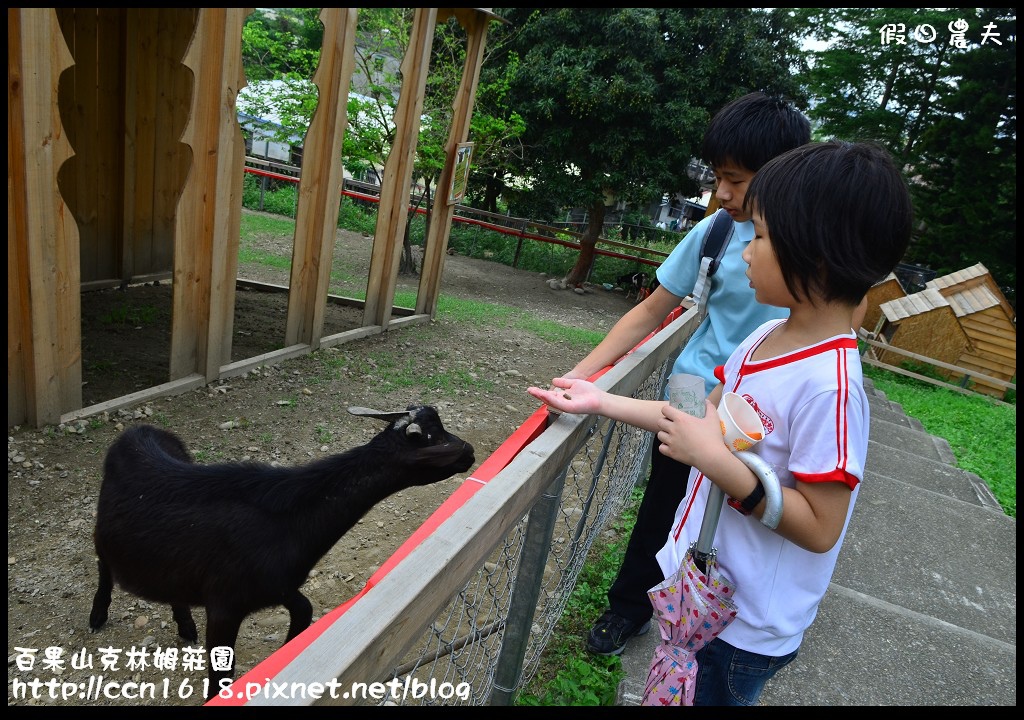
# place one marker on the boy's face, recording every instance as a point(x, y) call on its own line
point(731, 183)
point(764, 272)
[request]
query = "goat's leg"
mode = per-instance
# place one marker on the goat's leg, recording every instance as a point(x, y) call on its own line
point(186, 625)
point(300, 611)
point(101, 600)
point(221, 631)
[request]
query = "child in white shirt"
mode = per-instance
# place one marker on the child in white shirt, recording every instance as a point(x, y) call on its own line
point(830, 220)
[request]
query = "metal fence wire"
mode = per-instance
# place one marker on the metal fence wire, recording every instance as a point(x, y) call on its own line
point(464, 616)
point(517, 597)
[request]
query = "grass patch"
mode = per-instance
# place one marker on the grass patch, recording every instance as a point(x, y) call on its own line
point(259, 257)
point(982, 435)
point(584, 339)
point(129, 314)
point(257, 224)
point(568, 674)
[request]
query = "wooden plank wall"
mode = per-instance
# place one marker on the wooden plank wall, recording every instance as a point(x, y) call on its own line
point(993, 347)
point(888, 289)
point(43, 240)
point(935, 333)
point(121, 108)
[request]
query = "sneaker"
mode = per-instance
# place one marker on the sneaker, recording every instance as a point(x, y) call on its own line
point(610, 633)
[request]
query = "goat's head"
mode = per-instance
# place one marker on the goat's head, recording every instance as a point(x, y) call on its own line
point(420, 441)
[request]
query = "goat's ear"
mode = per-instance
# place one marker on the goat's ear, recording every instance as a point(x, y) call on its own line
point(379, 414)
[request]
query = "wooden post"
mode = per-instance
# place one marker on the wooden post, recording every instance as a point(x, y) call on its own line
point(475, 21)
point(44, 353)
point(208, 222)
point(393, 210)
point(322, 178)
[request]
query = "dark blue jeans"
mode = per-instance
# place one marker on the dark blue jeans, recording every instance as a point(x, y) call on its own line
point(727, 675)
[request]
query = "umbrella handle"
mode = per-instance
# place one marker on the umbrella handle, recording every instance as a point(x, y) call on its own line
point(703, 549)
point(772, 488)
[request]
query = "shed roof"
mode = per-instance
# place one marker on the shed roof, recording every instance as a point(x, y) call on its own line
point(920, 302)
point(972, 300)
point(955, 278)
point(964, 302)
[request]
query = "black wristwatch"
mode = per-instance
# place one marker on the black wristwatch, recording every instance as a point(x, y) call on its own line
point(750, 502)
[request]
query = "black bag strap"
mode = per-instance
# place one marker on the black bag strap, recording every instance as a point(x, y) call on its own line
point(716, 239)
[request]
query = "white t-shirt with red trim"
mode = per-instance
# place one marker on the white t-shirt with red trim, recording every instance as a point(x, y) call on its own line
point(816, 416)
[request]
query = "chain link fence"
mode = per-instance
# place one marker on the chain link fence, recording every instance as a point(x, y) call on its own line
point(465, 616)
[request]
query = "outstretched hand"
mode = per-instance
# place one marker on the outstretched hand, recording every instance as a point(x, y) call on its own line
point(570, 395)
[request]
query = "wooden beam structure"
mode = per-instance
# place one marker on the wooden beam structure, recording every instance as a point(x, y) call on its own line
point(125, 165)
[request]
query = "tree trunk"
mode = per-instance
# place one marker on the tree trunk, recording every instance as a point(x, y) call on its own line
point(407, 264)
point(492, 190)
point(588, 244)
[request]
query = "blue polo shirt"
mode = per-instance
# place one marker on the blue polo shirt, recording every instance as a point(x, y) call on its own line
point(733, 313)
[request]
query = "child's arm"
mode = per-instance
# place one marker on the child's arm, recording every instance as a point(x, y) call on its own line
point(813, 514)
point(584, 398)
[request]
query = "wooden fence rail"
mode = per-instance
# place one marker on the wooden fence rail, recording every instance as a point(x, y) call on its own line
point(868, 358)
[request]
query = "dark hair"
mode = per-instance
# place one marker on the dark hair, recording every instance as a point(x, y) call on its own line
point(753, 129)
point(838, 214)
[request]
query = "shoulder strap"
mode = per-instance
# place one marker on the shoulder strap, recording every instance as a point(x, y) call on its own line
point(711, 250)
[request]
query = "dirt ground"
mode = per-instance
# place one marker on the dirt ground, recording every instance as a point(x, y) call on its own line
point(476, 373)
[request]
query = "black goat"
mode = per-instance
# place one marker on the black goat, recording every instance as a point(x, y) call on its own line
point(240, 537)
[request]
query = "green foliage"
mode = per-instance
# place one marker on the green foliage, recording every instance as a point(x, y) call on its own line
point(280, 198)
point(357, 215)
point(281, 41)
point(585, 682)
point(129, 313)
point(982, 435)
point(947, 113)
point(611, 105)
point(568, 674)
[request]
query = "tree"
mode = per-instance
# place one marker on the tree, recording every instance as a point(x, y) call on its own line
point(616, 100)
point(947, 112)
point(285, 46)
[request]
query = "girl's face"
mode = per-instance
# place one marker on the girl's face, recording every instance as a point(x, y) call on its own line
point(763, 270)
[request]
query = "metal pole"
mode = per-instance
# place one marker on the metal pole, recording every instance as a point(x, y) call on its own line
point(523, 604)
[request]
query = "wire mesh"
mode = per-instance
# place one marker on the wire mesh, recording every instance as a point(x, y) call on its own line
point(462, 649)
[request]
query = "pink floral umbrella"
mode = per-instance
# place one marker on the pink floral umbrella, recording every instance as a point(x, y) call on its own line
point(691, 607)
point(695, 604)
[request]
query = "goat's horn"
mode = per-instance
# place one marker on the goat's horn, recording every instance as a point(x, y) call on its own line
point(413, 429)
point(379, 414)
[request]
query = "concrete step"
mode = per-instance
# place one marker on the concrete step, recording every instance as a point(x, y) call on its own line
point(929, 474)
point(933, 555)
point(904, 437)
point(862, 651)
point(892, 412)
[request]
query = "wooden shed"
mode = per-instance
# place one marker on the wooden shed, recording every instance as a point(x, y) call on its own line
point(961, 319)
point(884, 291)
point(125, 165)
